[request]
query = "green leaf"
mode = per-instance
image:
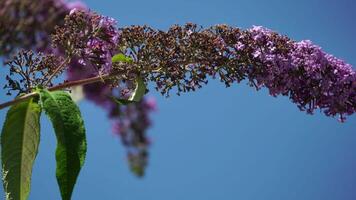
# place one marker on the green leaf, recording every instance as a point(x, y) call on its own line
point(139, 91)
point(19, 143)
point(70, 132)
point(121, 58)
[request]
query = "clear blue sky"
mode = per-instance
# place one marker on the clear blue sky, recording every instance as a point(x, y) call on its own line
point(220, 143)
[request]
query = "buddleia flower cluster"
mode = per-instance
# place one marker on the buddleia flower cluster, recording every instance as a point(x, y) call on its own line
point(184, 57)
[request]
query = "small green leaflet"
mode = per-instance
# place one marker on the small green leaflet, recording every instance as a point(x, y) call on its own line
point(71, 142)
point(121, 58)
point(121, 101)
point(19, 146)
point(139, 91)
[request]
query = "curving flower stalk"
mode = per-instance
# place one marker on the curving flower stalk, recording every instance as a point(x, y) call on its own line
point(184, 57)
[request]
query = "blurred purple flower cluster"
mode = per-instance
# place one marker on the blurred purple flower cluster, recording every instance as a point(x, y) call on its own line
point(28, 24)
point(131, 126)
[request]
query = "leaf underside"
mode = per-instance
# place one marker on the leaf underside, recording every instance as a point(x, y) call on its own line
point(71, 142)
point(139, 91)
point(19, 144)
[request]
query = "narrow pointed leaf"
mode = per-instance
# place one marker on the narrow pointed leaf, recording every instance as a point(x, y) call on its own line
point(71, 142)
point(19, 146)
point(139, 91)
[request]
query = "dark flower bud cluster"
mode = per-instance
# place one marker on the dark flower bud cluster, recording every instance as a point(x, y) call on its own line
point(27, 24)
point(28, 70)
point(184, 57)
